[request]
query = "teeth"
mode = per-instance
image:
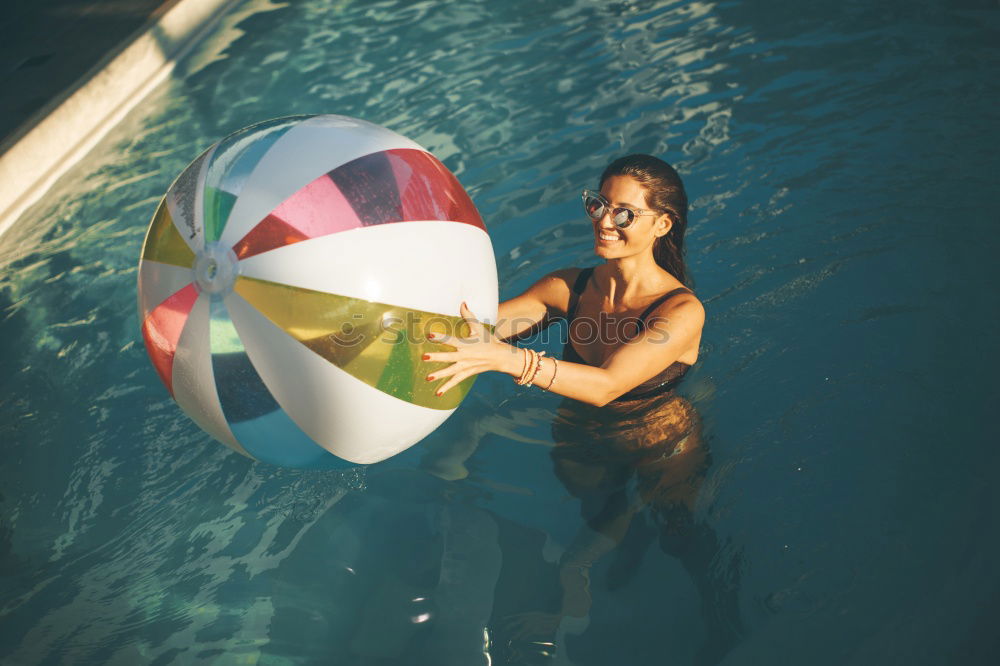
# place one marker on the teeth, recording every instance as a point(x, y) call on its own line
point(608, 237)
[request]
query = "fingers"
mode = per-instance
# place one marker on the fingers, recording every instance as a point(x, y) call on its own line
point(476, 330)
point(457, 374)
point(455, 380)
point(441, 338)
point(476, 327)
point(441, 357)
point(459, 370)
point(443, 372)
point(467, 313)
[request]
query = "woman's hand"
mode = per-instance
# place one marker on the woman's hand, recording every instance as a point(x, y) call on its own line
point(480, 352)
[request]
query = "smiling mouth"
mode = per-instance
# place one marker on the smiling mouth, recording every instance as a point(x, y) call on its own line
point(607, 237)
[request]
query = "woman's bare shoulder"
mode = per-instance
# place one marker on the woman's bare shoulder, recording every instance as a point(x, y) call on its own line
point(557, 285)
point(564, 277)
point(682, 306)
point(555, 289)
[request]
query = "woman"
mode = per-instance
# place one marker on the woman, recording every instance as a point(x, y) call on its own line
point(634, 331)
point(634, 327)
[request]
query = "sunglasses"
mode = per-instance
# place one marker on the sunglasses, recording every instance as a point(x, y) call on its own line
point(621, 216)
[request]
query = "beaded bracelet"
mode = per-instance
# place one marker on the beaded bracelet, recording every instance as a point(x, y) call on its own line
point(532, 361)
point(532, 366)
point(555, 369)
point(538, 366)
point(522, 380)
point(524, 368)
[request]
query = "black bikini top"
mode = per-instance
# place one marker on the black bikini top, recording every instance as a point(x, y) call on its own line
point(662, 382)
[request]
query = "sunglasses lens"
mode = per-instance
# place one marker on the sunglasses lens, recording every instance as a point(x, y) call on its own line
point(595, 207)
point(622, 217)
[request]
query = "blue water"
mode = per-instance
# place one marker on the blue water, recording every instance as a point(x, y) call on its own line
point(841, 159)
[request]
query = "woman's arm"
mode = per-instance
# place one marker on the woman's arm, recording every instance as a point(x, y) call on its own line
point(546, 298)
point(671, 329)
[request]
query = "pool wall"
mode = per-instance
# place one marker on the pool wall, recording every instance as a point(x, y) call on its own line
point(63, 131)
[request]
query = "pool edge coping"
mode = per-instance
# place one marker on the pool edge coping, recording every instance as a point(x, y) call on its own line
point(48, 144)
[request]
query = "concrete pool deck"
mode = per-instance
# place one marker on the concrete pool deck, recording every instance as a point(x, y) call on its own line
point(71, 70)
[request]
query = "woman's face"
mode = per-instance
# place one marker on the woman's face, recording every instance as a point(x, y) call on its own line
point(610, 242)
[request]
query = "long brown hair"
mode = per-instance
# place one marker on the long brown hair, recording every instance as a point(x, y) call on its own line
point(664, 194)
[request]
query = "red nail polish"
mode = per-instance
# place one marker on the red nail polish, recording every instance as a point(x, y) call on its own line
point(439, 394)
point(429, 378)
point(427, 357)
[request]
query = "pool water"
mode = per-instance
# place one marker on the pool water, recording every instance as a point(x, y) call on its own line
point(841, 160)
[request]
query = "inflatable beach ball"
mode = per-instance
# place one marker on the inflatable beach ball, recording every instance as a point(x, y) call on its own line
point(288, 280)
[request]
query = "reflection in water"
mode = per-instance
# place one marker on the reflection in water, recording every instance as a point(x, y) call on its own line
point(638, 464)
point(636, 468)
point(414, 572)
